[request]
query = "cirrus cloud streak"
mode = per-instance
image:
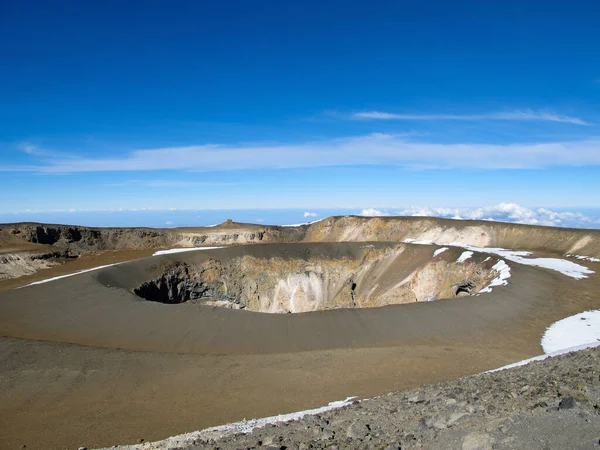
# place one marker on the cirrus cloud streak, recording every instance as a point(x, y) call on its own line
point(372, 149)
point(520, 115)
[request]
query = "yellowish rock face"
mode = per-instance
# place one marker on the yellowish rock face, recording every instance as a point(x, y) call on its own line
point(370, 277)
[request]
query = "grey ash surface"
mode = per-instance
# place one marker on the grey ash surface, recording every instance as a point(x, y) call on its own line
point(552, 404)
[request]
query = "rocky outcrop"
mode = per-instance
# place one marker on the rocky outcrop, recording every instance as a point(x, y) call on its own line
point(333, 229)
point(13, 265)
point(181, 283)
point(551, 404)
point(81, 240)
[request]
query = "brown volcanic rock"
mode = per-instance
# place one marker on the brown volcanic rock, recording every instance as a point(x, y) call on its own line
point(78, 240)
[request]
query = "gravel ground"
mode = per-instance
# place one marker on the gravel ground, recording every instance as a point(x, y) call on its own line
point(550, 404)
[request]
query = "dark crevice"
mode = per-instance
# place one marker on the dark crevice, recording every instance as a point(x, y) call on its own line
point(178, 286)
point(465, 287)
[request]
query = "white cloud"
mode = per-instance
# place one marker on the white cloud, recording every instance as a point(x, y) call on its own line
point(36, 150)
point(507, 212)
point(372, 212)
point(522, 115)
point(165, 184)
point(30, 149)
point(310, 214)
point(372, 149)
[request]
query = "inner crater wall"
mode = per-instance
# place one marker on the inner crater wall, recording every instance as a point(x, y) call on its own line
point(368, 277)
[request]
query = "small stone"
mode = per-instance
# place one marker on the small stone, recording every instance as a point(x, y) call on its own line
point(439, 424)
point(455, 418)
point(451, 401)
point(567, 403)
point(426, 423)
point(269, 440)
point(419, 398)
point(357, 431)
point(327, 435)
point(423, 425)
point(477, 441)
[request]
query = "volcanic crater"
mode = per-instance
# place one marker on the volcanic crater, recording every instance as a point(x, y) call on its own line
point(303, 278)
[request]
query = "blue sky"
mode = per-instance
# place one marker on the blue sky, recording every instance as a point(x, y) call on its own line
point(109, 106)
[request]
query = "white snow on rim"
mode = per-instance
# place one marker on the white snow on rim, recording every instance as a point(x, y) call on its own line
point(503, 270)
point(68, 275)
point(465, 255)
point(572, 334)
point(181, 250)
point(563, 266)
point(439, 251)
point(575, 330)
point(294, 225)
point(584, 258)
point(160, 252)
point(220, 431)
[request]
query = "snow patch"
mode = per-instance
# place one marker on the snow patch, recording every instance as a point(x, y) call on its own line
point(572, 334)
point(68, 275)
point(302, 224)
point(584, 258)
point(465, 255)
point(563, 266)
point(181, 250)
point(503, 270)
point(439, 251)
point(243, 427)
point(573, 331)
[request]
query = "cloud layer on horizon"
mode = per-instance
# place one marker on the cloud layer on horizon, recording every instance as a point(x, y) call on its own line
point(503, 212)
